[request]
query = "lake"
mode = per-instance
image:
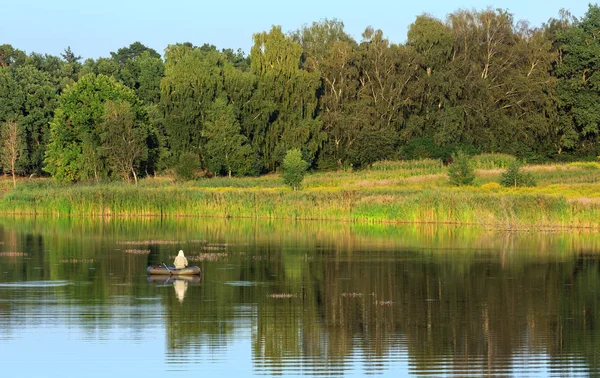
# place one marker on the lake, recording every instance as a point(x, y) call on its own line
point(279, 298)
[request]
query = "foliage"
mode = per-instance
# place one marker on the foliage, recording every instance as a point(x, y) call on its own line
point(293, 169)
point(188, 166)
point(226, 149)
point(478, 81)
point(286, 102)
point(492, 161)
point(461, 171)
point(579, 112)
point(514, 176)
point(80, 141)
point(123, 139)
point(12, 147)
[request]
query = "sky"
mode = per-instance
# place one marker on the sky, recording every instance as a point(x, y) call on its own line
point(94, 29)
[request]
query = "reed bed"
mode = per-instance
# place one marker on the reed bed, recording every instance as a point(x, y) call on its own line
point(137, 251)
point(282, 295)
point(148, 242)
point(206, 257)
point(567, 196)
point(13, 254)
point(77, 261)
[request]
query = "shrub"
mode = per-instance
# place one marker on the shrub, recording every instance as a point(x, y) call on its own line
point(461, 171)
point(187, 167)
point(513, 176)
point(294, 169)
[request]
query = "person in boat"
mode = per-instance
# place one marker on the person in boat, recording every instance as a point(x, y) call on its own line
point(180, 261)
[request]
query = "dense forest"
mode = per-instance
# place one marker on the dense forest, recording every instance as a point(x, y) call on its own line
point(479, 81)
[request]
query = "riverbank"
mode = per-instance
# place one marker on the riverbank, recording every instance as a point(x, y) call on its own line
point(567, 196)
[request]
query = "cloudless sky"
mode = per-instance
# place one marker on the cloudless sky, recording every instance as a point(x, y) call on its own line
point(94, 29)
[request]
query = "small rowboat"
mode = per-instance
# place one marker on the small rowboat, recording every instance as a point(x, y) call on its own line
point(161, 269)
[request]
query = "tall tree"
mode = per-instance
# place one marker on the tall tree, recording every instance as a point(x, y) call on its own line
point(123, 139)
point(69, 56)
point(286, 99)
point(10, 56)
point(29, 95)
point(226, 149)
point(330, 51)
point(193, 80)
point(578, 72)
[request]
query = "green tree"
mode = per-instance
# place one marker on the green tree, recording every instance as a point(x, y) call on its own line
point(286, 101)
point(29, 95)
point(461, 171)
point(12, 147)
point(293, 169)
point(193, 81)
point(514, 176)
point(330, 51)
point(10, 56)
point(579, 79)
point(226, 149)
point(123, 139)
point(75, 151)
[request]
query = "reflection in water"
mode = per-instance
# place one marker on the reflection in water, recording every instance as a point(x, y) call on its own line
point(180, 289)
point(309, 298)
point(180, 283)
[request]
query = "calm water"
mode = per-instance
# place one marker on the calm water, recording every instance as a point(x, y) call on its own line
point(281, 299)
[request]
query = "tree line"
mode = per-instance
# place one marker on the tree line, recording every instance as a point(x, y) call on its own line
point(478, 81)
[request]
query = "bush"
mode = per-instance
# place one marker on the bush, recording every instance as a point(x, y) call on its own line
point(515, 177)
point(187, 167)
point(461, 171)
point(294, 169)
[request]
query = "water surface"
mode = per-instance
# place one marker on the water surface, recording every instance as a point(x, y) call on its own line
point(281, 298)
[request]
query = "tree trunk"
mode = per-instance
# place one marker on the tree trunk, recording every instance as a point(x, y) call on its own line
point(134, 176)
point(13, 174)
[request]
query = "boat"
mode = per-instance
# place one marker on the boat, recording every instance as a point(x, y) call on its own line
point(172, 271)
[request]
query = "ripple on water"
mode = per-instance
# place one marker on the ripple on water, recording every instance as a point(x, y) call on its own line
point(28, 284)
point(240, 283)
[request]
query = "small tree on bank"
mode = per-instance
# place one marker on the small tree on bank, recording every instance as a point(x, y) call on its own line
point(461, 171)
point(294, 169)
point(515, 177)
point(12, 147)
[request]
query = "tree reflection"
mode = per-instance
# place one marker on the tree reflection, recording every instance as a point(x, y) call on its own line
point(318, 298)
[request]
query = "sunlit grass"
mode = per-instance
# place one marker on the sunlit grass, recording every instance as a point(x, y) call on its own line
point(567, 195)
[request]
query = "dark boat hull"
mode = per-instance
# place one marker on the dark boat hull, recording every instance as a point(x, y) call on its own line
point(161, 270)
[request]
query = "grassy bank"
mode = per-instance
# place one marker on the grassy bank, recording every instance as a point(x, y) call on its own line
point(567, 195)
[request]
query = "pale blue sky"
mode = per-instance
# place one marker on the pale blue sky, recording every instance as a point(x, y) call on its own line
point(93, 29)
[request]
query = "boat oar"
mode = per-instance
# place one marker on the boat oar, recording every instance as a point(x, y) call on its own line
point(165, 265)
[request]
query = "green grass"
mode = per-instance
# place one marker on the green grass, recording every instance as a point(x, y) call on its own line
point(492, 161)
point(567, 195)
